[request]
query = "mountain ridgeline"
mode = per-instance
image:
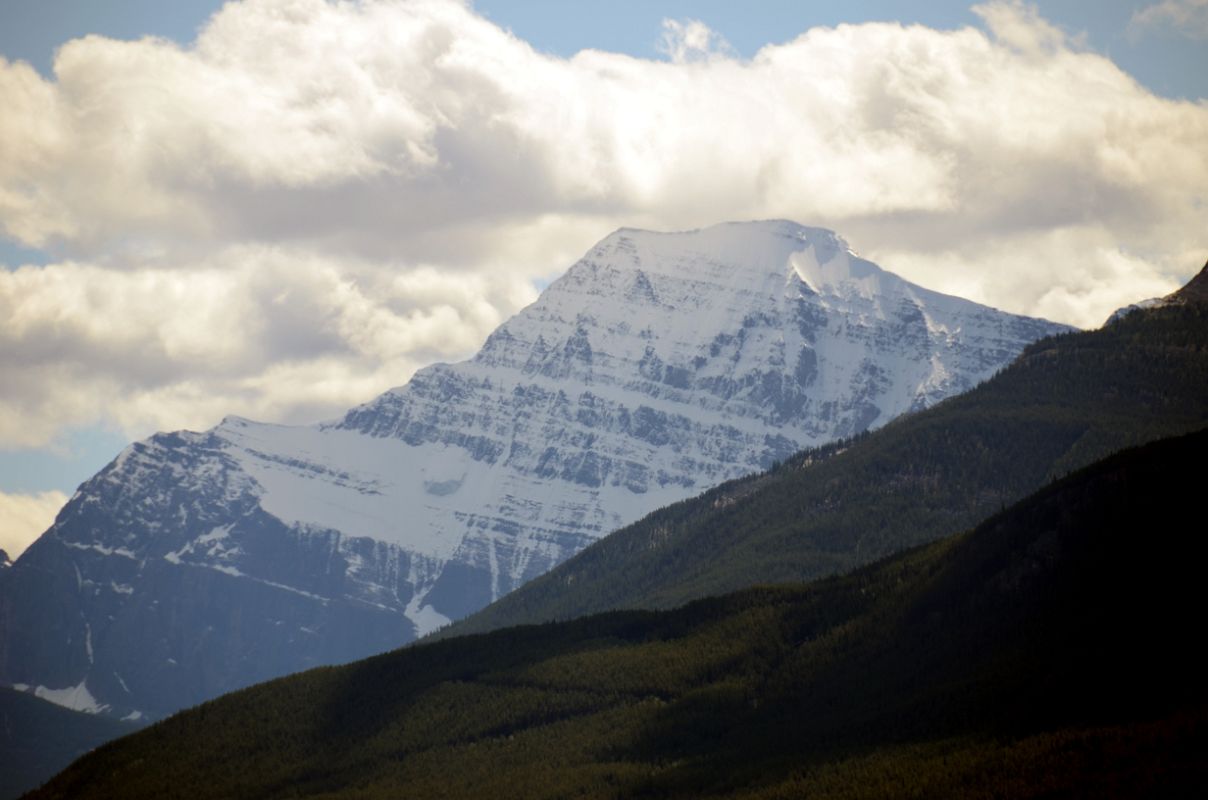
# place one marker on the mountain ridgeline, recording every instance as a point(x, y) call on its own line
point(658, 366)
point(1050, 652)
point(1065, 402)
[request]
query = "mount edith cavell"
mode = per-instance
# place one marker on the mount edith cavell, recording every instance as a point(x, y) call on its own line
point(658, 366)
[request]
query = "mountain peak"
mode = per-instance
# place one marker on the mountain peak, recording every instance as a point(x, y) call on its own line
point(659, 365)
point(747, 245)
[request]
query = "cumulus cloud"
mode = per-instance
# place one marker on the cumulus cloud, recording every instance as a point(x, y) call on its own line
point(312, 199)
point(24, 517)
point(1186, 17)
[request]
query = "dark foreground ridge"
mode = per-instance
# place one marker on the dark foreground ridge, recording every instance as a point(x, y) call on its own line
point(1064, 403)
point(1053, 651)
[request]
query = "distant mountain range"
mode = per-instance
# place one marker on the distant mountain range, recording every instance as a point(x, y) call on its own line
point(658, 366)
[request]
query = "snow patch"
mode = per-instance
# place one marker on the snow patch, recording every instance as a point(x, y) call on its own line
point(77, 698)
point(217, 534)
point(425, 618)
point(103, 550)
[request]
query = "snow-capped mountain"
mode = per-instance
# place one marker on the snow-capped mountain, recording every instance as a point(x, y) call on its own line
point(657, 366)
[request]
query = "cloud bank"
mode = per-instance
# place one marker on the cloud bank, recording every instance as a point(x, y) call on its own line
point(311, 200)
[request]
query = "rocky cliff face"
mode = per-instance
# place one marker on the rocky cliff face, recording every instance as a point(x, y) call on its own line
point(657, 366)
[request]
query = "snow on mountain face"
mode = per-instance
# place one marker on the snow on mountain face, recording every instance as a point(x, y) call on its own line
point(657, 366)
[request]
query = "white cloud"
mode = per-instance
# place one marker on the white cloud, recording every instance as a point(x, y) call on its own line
point(313, 199)
point(25, 517)
point(1186, 17)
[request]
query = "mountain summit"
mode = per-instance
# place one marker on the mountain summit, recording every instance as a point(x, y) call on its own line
point(659, 365)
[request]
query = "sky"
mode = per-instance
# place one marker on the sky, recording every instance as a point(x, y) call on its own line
point(280, 208)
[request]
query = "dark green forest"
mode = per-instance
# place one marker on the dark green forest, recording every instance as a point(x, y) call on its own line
point(1052, 651)
point(1066, 402)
